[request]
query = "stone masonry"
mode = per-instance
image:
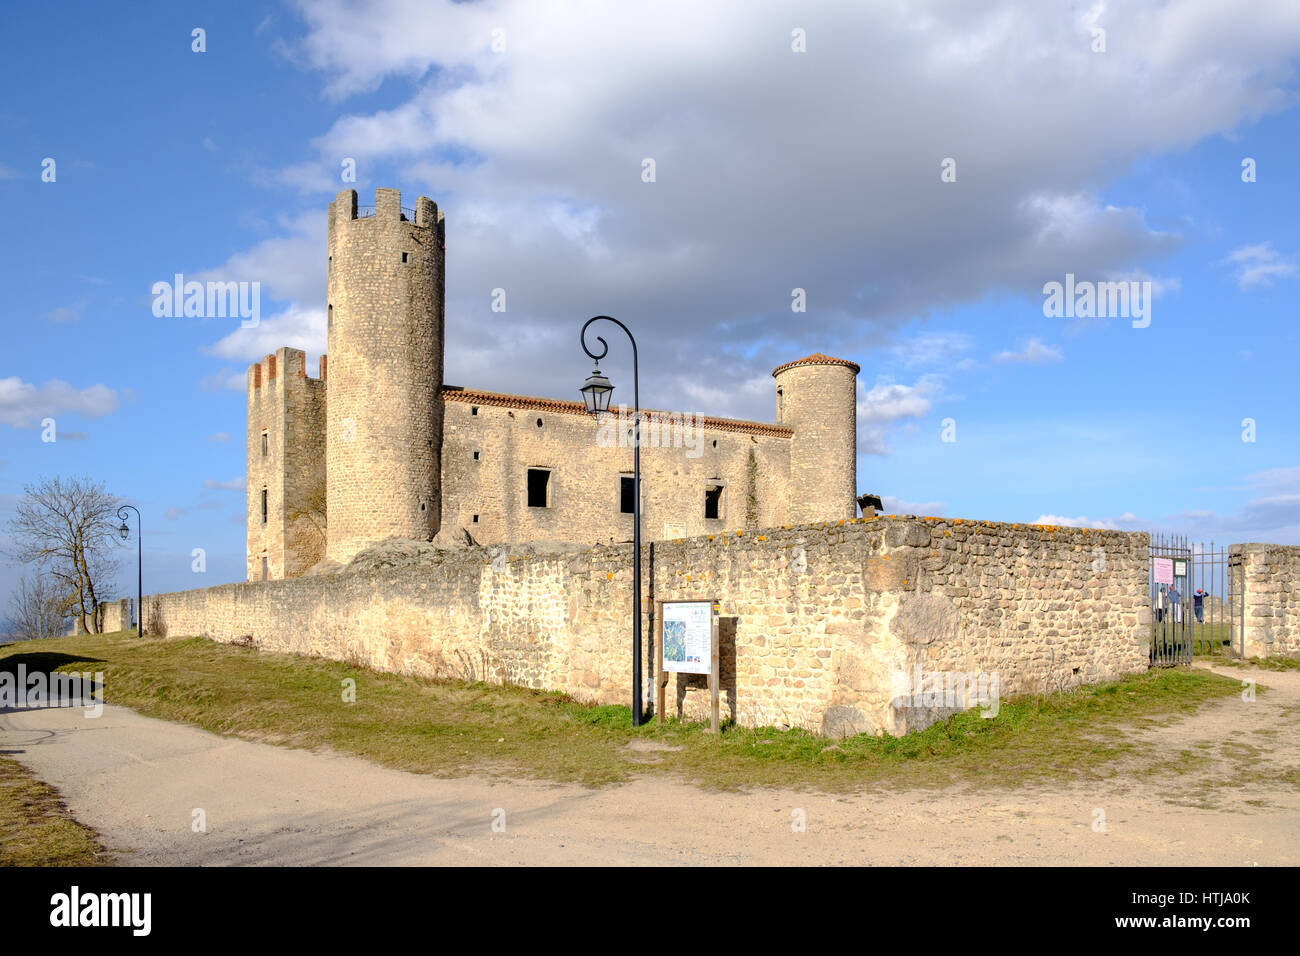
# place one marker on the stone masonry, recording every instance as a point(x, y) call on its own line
point(381, 447)
point(1272, 598)
point(823, 625)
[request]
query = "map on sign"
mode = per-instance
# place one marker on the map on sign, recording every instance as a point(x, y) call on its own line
point(688, 637)
point(1164, 568)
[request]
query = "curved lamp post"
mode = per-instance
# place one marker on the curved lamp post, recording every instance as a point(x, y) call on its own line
point(596, 392)
point(124, 532)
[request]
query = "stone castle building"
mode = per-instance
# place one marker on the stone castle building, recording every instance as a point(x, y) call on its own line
point(380, 447)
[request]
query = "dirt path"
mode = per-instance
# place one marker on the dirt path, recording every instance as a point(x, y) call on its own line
point(1221, 799)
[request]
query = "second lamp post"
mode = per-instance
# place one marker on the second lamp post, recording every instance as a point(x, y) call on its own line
point(124, 532)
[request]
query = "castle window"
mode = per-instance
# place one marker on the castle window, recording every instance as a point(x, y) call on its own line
point(329, 322)
point(539, 488)
point(264, 441)
point(263, 506)
point(626, 494)
point(404, 255)
point(473, 409)
point(539, 423)
point(476, 454)
point(265, 568)
point(713, 501)
point(476, 519)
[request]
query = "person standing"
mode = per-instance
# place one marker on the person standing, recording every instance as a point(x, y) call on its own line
point(1198, 605)
point(1160, 603)
point(1175, 603)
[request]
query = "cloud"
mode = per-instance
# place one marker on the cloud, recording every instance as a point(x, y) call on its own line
point(218, 437)
point(1125, 522)
point(898, 506)
point(225, 380)
point(296, 327)
point(291, 267)
point(234, 484)
point(67, 313)
point(536, 156)
point(24, 404)
point(887, 403)
point(1034, 352)
point(1259, 265)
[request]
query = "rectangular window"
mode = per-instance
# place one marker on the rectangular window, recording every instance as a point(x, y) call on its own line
point(626, 494)
point(539, 488)
point(263, 506)
point(713, 501)
point(476, 456)
point(264, 444)
point(265, 570)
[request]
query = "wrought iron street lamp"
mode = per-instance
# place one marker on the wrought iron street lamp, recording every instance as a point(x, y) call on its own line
point(596, 392)
point(124, 532)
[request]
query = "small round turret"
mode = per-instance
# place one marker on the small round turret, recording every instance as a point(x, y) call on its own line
point(817, 397)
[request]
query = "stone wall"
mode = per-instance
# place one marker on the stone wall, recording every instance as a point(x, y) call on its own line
point(286, 460)
point(1272, 598)
point(822, 626)
point(491, 441)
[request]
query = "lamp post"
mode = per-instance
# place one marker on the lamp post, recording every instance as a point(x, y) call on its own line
point(124, 532)
point(596, 392)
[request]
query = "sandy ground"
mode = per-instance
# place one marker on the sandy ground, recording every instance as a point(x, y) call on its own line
point(138, 781)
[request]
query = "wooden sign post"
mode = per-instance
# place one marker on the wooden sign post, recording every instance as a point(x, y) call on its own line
point(687, 643)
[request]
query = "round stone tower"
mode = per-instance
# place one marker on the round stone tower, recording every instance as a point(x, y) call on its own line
point(383, 445)
point(817, 396)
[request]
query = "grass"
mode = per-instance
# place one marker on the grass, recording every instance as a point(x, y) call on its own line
point(451, 728)
point(36, 829)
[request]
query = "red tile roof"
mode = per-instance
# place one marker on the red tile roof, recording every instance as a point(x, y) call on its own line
point(817, 358)
point(454, 393)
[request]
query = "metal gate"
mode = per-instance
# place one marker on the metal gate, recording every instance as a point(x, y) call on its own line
point(1196, 606)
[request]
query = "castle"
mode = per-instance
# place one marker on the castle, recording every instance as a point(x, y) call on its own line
point(379, 447)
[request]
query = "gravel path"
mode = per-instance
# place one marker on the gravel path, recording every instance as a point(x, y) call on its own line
point(138, 781)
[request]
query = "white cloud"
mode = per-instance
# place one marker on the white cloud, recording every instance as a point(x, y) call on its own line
point(1033, 352)
point(1259, 265)
point(898, 506)
point(67, 313)
point(296, 327)
point(887, 403)
point(291, 268)
point(234, 484)
point(535, 154)
point(1125, 522)
point(23, 404)
point(218, 437)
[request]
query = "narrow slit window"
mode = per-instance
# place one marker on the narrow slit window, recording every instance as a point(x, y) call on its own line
point(263, 506)
point(264, 444)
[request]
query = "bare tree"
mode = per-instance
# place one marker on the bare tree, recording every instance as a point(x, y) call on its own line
point(67, 528)
point(38, 608)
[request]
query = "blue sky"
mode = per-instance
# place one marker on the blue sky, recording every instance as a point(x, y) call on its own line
point(774, 170)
